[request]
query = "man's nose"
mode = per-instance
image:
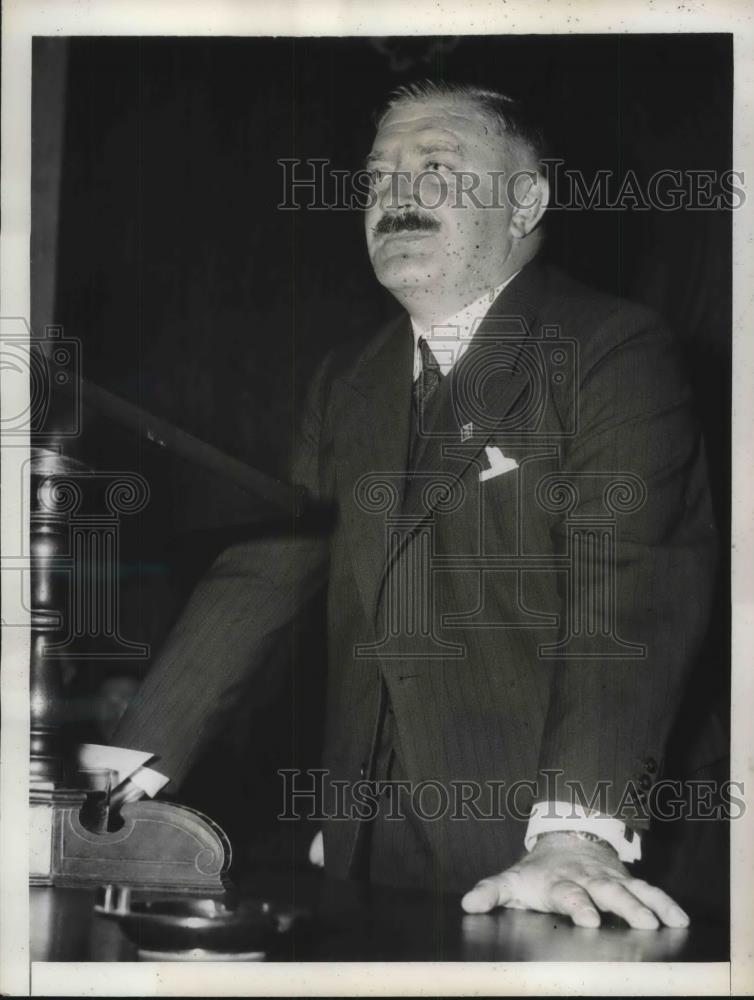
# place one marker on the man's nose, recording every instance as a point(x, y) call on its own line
point(398, 192)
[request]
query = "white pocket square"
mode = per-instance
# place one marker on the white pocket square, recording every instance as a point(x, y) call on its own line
point(499, 464)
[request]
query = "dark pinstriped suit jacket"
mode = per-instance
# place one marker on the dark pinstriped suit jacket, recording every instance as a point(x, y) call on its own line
point(541, 620)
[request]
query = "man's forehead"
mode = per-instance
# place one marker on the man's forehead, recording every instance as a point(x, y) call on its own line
point(455, 117)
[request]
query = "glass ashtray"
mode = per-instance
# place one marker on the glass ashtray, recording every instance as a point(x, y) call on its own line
point(178, 928)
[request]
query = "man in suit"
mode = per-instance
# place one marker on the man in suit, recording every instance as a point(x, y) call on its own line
point(520, 566)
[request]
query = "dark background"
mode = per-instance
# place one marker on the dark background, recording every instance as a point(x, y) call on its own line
point(197, 299)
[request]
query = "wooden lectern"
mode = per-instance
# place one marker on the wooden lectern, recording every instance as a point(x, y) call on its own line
point(74, 518)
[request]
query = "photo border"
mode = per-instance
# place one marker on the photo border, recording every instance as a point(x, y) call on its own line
point(23, 19)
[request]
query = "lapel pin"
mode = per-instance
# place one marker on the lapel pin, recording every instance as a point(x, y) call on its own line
point(467, 431)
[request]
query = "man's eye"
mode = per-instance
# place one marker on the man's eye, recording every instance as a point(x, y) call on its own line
point(377, 175)
point(437, 166)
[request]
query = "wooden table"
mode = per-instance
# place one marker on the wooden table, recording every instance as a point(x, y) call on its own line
point(353, 922)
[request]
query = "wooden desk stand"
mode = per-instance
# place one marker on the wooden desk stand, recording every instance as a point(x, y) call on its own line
point(160, 846)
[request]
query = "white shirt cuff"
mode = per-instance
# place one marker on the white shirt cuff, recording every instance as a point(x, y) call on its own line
point(562, 817)
point(125, 764)
point(149, 780)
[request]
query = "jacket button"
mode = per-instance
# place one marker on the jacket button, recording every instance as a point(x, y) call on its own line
point(645, 781)
point(650, 764)
point(363, 770)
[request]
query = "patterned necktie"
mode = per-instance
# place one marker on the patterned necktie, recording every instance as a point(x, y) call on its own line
point(429, 377)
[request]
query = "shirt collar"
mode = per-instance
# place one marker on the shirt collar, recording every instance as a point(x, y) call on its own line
point(449, 340)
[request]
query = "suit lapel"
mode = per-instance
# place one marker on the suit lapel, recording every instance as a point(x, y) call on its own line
point(485, 393)
point(482, 389)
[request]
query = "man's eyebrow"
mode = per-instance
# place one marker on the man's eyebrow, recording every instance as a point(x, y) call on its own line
point(376, 154)
point(423, 148)
point(440, 146)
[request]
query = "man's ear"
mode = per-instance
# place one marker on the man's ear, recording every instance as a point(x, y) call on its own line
point(529, 193)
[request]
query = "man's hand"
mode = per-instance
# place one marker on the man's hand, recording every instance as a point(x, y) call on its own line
point(126, 791)
point(566, 874)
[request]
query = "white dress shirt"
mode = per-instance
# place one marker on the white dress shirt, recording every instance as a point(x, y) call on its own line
point(448, 341)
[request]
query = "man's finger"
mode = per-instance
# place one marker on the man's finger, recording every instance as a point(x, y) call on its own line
point(570, 899)
point(666, 908)
point(487, 894)
point(611, 895)
point(127, 791)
